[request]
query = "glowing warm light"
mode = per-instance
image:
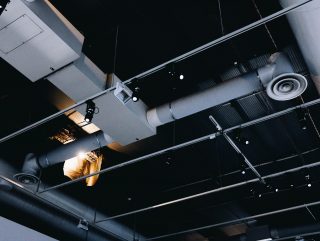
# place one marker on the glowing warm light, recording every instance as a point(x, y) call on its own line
point(79, 166)
point(82, 155)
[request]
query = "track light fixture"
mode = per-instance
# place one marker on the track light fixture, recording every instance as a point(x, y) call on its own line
point(136, 94)
point(3, 4)
point(90, 111)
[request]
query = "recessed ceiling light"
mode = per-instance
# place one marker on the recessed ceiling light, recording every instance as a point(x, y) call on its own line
point(181, 76)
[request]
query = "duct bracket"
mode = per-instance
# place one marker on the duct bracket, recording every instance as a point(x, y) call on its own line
point(83, 224)
point(122, 92)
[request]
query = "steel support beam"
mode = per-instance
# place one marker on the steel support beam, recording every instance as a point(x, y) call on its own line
point(236, 221)
point(188, 143)
point(202, 194)
point(236, 148)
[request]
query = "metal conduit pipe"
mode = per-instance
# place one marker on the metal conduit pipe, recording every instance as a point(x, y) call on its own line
point(59, 222)
point(305, 24)
point(90, 214)
point(277, 76)
point(66, 204)
point(33, 164)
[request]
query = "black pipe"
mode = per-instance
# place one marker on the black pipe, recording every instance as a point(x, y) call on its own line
point(34, 163)
point(19, 205)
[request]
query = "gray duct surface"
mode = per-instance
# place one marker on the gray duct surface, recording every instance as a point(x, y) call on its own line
point(94, 141)
point(305, 23)
point(88, 143)
point(277, 76)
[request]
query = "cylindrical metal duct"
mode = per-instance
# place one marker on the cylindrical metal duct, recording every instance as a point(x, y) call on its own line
point(88, 143)
point(65, 226)
point(277, 76)
point(305, 23)
point(33, 164)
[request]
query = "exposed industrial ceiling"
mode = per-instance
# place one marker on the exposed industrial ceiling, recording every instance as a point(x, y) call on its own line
point(184, 183)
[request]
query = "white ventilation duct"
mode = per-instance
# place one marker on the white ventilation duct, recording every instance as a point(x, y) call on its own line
point(305, 23)
point(278, 77)
point(36, 39)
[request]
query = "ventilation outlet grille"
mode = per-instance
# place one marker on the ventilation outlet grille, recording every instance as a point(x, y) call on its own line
point(287, 87)
point(26, 179)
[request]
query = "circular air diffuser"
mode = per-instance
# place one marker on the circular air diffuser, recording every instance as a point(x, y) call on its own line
point(287, 86)
point(26, 179)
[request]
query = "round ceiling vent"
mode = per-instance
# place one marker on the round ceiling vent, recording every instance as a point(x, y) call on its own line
point(26, 179)
point(287, 86)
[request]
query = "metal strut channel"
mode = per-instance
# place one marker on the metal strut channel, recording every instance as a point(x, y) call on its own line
point(236, 148)
point(188, 143)
point(163, 65)
point(238, 220)
point(211, 191)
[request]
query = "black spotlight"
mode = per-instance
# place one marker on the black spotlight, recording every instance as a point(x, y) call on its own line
point(3, 4)
point(136, 94)
point(90, 111)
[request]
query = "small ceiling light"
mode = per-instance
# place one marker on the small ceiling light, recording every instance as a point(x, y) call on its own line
point(3, 4)
point(81, 155)
point(91, 107)
point(302, 117)
point(241, 139)
point(277, 190)
point(260, 195)
point(181, 77)
point(136, 94)
point(308, 180)
point(242, 164)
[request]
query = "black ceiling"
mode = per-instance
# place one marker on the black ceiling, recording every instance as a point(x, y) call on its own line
point(129, 37)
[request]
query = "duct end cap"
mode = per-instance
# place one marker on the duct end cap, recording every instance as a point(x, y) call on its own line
point(287, 86)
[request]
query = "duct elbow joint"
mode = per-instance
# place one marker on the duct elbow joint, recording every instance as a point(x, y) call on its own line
point(30, 170)
point(280, 80)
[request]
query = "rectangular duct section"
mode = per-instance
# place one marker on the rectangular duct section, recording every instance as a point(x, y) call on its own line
point(36, 39)
point(124, 121)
